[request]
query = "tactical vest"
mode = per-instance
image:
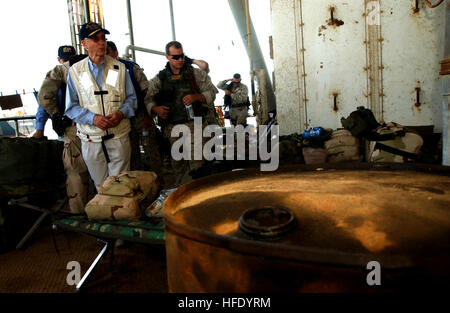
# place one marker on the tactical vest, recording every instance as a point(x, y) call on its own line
point(90, 99)
point(173, 88)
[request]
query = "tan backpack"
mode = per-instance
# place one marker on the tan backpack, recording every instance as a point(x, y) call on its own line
point(123, 197)
point(342, 147)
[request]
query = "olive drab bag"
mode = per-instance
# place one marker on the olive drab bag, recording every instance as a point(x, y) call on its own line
point(393, 143)
point(124, 196)
point(360, 122)
point(34, 161)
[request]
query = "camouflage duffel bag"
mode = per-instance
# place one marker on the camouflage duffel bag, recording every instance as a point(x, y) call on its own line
point(142, 184)
point(394, 143)
point(123, 197)
point(115, 208)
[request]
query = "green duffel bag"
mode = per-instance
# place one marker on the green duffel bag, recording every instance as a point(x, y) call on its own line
point(360, 122)
point(30, 160)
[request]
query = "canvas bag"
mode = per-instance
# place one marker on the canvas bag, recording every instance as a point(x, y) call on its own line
point(113, 208)
point(342, 147)
point(130, 184)
point(400, 145)
point(314, 155)
point(122, 197)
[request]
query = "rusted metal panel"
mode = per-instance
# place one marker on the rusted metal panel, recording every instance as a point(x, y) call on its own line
point(319, 63)
point(445, 67)
point(346, 216)
point(334, 60)
point(412, 48)
point(288, 65)
point(329, 58)
point(446, 94)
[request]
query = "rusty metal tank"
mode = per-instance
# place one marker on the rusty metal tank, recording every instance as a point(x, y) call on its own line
point(309, 229)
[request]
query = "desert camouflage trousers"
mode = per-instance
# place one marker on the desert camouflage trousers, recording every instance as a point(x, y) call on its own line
point(182, 167)
point(238, 115)
point(77, 181)
point(152, 159)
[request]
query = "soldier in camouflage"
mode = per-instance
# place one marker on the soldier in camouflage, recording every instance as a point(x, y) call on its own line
point(171, 92)
point(64, 53)
point(77, 174)
point(238, 92)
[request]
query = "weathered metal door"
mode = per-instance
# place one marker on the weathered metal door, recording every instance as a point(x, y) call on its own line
point(334, 53)
point(412, 46)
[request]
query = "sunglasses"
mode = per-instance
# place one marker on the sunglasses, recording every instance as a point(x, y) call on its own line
point(177, 56)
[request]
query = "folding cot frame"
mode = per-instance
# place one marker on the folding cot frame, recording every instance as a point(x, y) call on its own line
point(155, 236)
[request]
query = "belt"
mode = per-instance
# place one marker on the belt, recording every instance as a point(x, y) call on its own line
point(100, 139)
point(89, 138)
point(239, 105)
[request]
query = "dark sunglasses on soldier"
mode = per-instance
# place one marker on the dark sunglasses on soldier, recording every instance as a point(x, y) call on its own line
point(177, 56)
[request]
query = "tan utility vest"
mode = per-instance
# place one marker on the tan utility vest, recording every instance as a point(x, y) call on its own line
point(114, 83)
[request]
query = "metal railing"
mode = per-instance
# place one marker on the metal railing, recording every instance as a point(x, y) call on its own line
point(16, 120)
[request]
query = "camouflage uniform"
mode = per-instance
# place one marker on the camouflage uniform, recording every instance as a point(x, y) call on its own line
point(77, 174)
point(207, 89)
point(239, 109)
point(141, 121)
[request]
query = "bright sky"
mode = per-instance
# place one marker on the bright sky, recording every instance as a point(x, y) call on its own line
point(33, 30)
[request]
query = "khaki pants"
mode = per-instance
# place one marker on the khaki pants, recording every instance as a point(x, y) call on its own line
point(119, 152)
point(77, 173)
point(183, 167)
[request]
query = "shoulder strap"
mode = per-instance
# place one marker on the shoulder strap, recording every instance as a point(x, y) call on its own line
point(392, 150)
point(194, 85)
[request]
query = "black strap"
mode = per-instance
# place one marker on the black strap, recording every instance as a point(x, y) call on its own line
point(105, 152)
point(100, 92)
point(392, 150)
point(374, 136)
point(104, 138)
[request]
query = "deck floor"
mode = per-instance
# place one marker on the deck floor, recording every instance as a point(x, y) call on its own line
point(38, 268)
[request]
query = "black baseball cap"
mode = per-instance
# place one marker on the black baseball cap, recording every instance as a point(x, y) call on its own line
point(65, 52)
point(237, 75)
point(88, 30)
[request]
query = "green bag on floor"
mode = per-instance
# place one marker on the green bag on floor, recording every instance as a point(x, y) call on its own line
point(30, 161)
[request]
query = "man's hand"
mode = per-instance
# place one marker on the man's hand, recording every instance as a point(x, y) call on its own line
point(227, 92)
point(189, 99)
point(38, 133)
point(161, 110)
point(115, 118)
point(102, 122)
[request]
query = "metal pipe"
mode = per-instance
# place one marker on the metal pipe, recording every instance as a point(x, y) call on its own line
point(446, 94)
point(238, 9)
point(136, 48)
point(172, 21)
point(249, 38)
point(130, 28)
point(72, 24)
point(86, 11)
